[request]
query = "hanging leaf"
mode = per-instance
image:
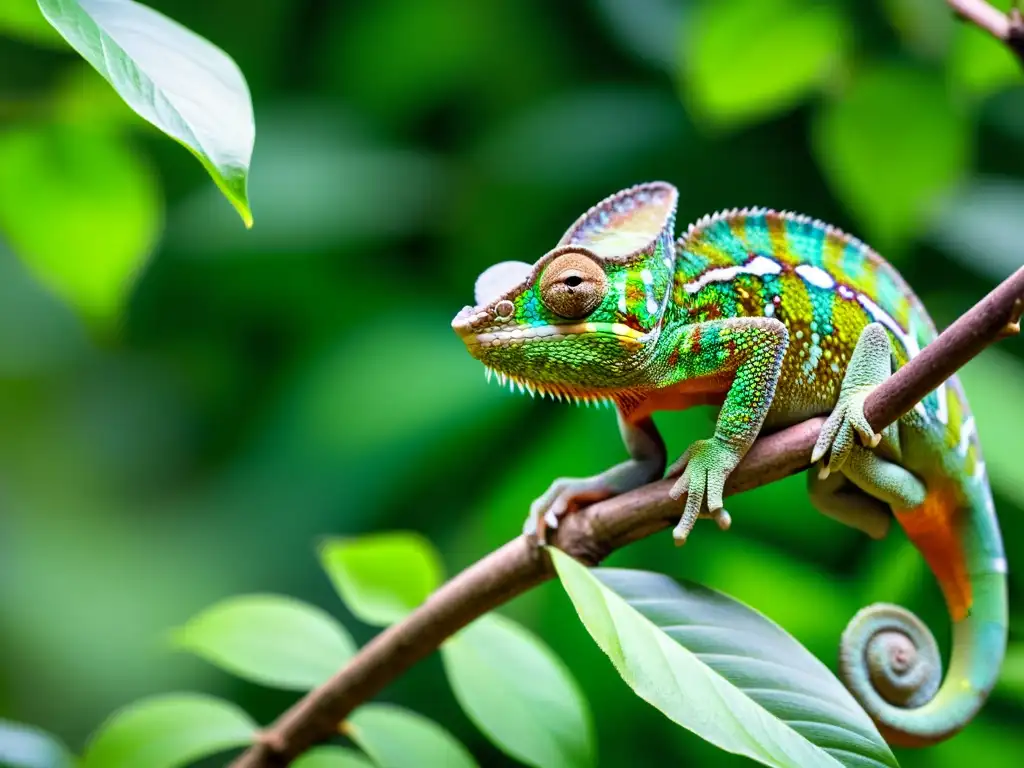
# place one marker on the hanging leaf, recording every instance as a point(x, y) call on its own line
point(398, 738)
point(745, 60)
point(169, 731)
point(721, 670)
point(22, 746)
point(269, 639)
point(173, 78)
point(514, 688)
point(382, 577)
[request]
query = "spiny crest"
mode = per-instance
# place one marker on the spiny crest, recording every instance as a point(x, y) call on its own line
point(554, 391)
point(695, 230)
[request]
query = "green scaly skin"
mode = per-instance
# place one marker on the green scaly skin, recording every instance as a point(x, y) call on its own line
point(776, 318)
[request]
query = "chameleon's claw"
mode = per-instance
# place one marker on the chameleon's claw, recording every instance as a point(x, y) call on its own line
point(708, 464)
point(723, 518)
point(551, 519)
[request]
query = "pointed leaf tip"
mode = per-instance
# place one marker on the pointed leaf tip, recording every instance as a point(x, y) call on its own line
point(171, 77)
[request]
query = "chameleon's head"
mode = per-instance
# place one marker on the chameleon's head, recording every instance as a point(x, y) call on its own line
point(583, 320)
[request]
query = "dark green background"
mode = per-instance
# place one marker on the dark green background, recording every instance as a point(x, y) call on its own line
point(256, 390)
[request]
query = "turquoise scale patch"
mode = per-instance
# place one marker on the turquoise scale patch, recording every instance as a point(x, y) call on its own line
point(757, 235)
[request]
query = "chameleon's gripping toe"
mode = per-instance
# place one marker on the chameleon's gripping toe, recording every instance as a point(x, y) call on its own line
point(870, 365)
point(707, 465)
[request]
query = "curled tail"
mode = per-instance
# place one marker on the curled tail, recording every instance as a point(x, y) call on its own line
point(889, 659)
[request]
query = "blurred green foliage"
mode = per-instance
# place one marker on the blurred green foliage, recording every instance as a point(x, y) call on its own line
point(256, 391)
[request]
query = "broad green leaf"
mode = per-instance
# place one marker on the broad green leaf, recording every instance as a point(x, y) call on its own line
point(82, 210)
point(523, 698)
point(331, 757)
point(21, 18)
point(22, 746)
point(394, 737)
point(980, 65)
point(721, 670)
point(173, 78)
point(168, 731)
point(889, 146)
point(382, 577)
point(745, 60)
point(269, 639)
point(980, 224)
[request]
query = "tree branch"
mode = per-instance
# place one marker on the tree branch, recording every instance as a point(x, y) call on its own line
point(1006, 27)
point(593, 533)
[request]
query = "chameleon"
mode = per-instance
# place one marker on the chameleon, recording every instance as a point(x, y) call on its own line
point(775, 317)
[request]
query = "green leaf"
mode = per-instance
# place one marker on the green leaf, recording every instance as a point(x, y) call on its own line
point(173, 78)
point(382, 577)
point(397, 738)
point(22, 746)
point(889, 146)
point(83, 212)
point(745, 60)
point(721, 670)
point(269, 639)
point(167, 732)
point(332, 757)
point(519, 694)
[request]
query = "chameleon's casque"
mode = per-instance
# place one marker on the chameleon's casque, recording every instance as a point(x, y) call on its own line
point(776, 317)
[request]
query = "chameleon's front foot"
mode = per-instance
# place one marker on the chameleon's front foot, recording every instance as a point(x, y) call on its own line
point(708, 463)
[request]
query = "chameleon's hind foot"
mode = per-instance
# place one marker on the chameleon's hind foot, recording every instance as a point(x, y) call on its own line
point(708, 463)
point(870, 365)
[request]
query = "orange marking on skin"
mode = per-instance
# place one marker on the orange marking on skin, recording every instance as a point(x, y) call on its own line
point(706, 390)
point(932, 527)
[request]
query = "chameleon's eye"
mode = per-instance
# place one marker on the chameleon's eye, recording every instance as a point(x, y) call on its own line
point(573, 285)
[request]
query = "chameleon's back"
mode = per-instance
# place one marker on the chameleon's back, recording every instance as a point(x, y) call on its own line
point(823, 284)
point(826, 287)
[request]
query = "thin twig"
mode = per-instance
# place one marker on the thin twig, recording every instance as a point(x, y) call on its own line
point(1006, 27)
point(593, 533)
